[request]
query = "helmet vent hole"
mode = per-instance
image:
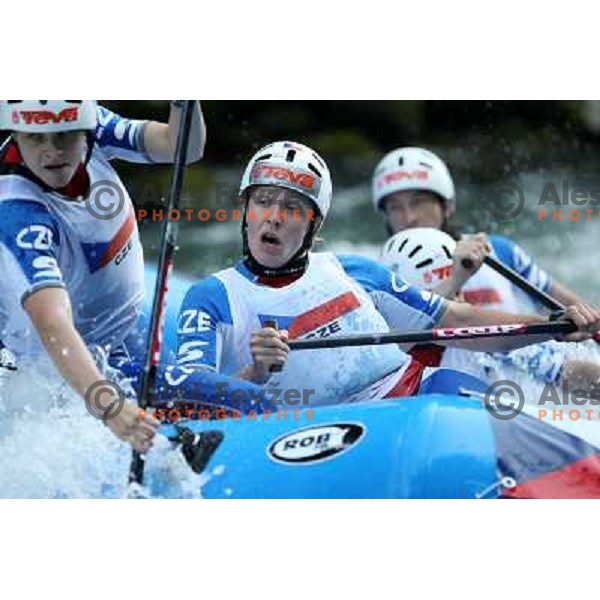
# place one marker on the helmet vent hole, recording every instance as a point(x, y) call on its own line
point(426, 165)
point(264, 157)
point(318, 160)
point(315, 170)
point(424, 263)
point(448, 253)
point(290, 156)
point(401, 161)
point(401, 247)
point(415, 250)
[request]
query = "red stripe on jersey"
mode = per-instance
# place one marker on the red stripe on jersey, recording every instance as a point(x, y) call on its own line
point(482, 296)
point(119, 240)
point(409, 383)
point(317, 317)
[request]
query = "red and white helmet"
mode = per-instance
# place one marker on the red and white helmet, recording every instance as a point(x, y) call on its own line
point(293, 166)
point(407, 169)
point(420, 256)
point(47, 116)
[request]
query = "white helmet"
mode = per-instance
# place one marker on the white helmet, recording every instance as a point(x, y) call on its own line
point(293, 166)
point(407, 169)
point(47, 116)
point(420, 256)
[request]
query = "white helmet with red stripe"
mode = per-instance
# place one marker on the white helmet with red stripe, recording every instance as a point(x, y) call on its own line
point(47, 116)
point(293, 166)
point(407, 169)
point(420, 256)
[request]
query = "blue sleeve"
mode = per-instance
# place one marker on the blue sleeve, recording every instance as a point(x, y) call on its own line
point(203, 318)
point(178, 385)
point(513, 256)
point(29, 241)
point(121, 138)
point(403, 306)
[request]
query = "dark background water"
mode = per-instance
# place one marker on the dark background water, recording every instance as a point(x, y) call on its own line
point(485, 144)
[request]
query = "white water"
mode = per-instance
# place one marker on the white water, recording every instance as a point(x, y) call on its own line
point(51, 447)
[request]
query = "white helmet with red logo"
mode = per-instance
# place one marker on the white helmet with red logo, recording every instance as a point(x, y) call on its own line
point(293, 166)
point(422, 257)
point(47, 116)
point(407, 169)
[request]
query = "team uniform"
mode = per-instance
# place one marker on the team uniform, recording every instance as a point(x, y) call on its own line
point(335, 296)
point(424, 258)
point(417, 255)
point(490, 290)
point(51, 239)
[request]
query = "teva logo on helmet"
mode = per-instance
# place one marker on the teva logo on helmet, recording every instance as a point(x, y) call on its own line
point(315, 444)
point(265, 174)
point(388, 178)
point(438, 274)
point(43, 117)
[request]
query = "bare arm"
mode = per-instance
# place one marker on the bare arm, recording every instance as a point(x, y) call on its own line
point(564, 295)
point(160, 139)
point(50, 311)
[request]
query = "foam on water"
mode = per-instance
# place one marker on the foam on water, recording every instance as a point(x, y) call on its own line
point(51, 447)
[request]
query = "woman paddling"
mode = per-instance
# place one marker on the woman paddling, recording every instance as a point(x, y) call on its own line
point(70, 254)
point(238, 322)
point(413, 188)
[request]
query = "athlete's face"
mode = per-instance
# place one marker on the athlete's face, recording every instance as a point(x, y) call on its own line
point(406, 210)
point(278, 220)
point(52, 157)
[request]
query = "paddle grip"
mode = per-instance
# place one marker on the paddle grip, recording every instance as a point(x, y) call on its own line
point(273, 368)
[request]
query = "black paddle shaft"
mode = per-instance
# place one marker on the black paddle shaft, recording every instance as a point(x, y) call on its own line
point(168, 247)
point(549, 328)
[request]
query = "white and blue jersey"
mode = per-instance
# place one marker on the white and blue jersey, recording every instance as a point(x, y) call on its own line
point(336, 296)
point(50, 240)
point(490, 290)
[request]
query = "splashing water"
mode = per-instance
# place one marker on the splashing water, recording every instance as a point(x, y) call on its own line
point(51, 447)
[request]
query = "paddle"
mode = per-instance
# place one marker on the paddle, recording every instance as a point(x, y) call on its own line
point(550, 328)
point(168, 247)
point(519, 281)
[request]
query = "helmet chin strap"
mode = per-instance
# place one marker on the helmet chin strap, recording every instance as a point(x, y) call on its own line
point(295, 266)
